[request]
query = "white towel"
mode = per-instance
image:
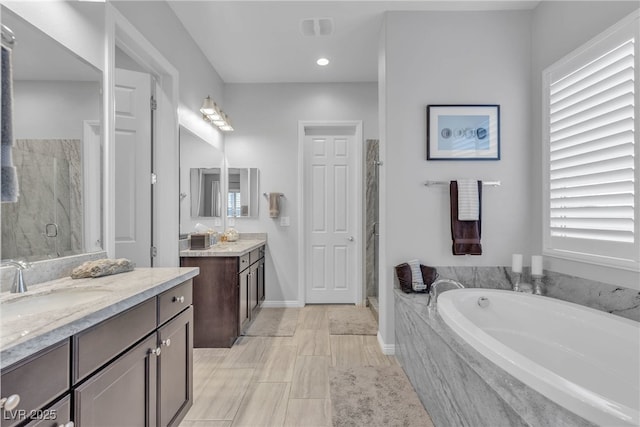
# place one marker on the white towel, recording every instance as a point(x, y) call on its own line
point(468, 200)
point(416, 276)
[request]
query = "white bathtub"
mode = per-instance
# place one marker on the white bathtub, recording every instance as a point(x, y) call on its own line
point(583, 359)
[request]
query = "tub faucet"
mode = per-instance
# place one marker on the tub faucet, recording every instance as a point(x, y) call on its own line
point(433, 291)
point(18, 284)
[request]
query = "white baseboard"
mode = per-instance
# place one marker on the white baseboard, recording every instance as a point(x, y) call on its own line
point(281, 304)
point(388, 349)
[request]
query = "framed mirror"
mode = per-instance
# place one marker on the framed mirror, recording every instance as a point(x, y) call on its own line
point(201, 183)
point(57, 151)
point(243, 192)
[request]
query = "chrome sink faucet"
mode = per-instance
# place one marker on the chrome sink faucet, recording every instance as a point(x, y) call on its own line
point(433, 291)
point(18, 284)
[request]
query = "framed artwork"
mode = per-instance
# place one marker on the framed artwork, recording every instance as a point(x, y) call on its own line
point(463, 132)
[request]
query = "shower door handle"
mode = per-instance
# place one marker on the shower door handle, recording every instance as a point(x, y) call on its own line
point(51, 229)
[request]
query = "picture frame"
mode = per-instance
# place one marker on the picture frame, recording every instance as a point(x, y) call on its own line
point(463, 132)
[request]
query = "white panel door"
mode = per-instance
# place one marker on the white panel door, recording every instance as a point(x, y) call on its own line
point(133, 166)
point(330, 207)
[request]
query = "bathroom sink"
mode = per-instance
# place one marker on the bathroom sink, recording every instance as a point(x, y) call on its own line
point(55, 300)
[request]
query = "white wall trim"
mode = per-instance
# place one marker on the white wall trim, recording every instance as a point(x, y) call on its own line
point(388, 349)
point(91, 147)
point(359, 196)
point(281, 304)
point(122, 33)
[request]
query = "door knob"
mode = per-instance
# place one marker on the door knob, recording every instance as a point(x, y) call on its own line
point(350, 238)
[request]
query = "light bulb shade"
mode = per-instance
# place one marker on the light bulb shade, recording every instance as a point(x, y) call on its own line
point(208, 106)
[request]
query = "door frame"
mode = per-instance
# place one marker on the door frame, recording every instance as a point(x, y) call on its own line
point(358, 233)
point(121, 33)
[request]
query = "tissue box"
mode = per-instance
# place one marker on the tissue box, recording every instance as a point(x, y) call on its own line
point(200, 241)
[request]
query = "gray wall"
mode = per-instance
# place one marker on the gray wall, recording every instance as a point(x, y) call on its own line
point(266, 117)
point(452, 58)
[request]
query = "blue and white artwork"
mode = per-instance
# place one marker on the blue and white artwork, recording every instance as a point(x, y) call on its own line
point(464, 132)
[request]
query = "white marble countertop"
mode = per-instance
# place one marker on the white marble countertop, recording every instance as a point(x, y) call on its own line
point(226, 249)
point(52, 311)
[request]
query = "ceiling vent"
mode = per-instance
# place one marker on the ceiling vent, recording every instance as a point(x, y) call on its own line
point(316, 27)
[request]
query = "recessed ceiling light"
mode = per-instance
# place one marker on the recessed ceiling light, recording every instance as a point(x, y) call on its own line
point(322, 62)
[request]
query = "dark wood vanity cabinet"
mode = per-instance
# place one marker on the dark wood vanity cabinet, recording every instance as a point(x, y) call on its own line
point(226, 295)
point(151, 383)
point(133, 369)
point(37, 381)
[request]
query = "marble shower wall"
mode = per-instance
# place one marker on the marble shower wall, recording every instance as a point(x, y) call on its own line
point(613, 299)
point(50, 180)
point(371, 206)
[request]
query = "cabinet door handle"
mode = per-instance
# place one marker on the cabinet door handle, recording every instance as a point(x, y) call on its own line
point(156, 351)
point(166, 343)
point(10, 403)
point(179, 299)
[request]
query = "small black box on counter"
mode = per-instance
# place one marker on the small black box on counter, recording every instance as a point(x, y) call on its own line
point(200, 241)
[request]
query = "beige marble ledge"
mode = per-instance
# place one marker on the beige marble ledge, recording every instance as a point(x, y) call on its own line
point(227, 249)
point(53, 311)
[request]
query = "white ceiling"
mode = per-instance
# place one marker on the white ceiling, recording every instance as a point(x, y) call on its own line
point(261, 41)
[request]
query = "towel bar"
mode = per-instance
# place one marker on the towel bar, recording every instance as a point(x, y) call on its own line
point(267, 194)
point(484, 183)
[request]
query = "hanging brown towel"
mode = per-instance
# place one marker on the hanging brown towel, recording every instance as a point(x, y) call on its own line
point(465, 234)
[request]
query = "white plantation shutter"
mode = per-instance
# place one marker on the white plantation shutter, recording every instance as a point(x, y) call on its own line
point(591, 147)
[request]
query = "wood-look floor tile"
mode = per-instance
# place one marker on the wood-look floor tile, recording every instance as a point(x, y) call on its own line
point(308, 413)
point(347, 350)
point(310, 378)
point(245, 353)
point(277, 364)
point(313, 342)
point(220, 397)
point(205, 363)
point(264, 404)
point(313, 317)
point(373, 354)
point(205, 423)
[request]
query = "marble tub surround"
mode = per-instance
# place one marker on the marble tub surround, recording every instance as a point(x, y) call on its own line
point(47, 270)
point(459, 386)
point(613, 299)
point(55, 310)
point(226, 249)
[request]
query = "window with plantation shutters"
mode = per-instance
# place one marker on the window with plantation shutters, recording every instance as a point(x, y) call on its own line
point(591, 145)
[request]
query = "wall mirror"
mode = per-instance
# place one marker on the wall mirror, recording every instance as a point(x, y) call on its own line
point(201, 182)
point(243, 195)
point(206, 192)
point(57, 112)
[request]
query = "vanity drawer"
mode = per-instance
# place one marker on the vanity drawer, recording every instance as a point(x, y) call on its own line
point(99, 344)
point(256, 254)
point(244, 262)
point(174, 300)
point(38, 380)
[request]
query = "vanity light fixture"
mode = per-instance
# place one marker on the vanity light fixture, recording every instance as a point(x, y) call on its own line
point(322, 62)
point(213, 114)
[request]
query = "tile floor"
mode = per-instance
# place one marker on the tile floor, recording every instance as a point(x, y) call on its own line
point(277, 381)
